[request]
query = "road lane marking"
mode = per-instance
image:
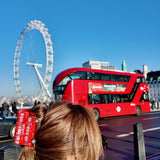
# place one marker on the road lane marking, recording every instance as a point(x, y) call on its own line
point(124, 135)
point(151, 129)
point(131, 133)
point(150, 118)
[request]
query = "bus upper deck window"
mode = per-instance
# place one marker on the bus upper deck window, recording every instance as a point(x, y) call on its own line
point(140, 80)
point(65, 80)
point(105, 77)
point(93, 76)
point(78, 75)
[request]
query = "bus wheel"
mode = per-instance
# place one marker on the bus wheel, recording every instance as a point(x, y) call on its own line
point(138, 111)
point(96, 113)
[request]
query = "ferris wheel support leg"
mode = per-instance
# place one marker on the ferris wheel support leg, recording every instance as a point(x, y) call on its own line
point(41, 80)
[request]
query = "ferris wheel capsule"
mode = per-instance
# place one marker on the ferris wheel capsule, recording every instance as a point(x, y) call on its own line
point(51, 52)
point(50, 43)
point(45, 29)
point(48, 35)
point(42, 24)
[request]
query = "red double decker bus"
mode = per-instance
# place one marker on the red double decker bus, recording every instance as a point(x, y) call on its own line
point(106, 93)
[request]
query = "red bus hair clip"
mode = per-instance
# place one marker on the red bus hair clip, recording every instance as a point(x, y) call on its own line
point(26, 125)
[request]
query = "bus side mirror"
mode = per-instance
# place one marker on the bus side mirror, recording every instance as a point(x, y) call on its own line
point(104, 142)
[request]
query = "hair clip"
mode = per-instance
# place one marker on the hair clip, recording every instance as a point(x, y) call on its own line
point(25, 128)
point(37, 121)
point(33, 141)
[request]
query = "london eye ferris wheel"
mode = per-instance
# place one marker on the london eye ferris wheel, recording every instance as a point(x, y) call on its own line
point(42, 79)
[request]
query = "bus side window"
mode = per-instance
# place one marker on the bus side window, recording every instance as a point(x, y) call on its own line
point(89, 99)
point(110, 98)
point(105, 77)
point(89, 75)
point(104, 98)
point(145, 97)
point(78, 75)
point(117, 97)
point(113, 77)
point(96, 98)
point(114, 99)
point(140, 79)
point(96, 76)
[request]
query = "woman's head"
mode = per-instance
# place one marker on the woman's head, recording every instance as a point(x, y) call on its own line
point(67, 130)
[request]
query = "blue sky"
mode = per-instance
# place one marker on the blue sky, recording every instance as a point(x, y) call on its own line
point(81, 30)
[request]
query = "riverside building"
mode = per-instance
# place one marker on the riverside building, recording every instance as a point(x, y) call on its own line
point(153, 79)
point(98, 65)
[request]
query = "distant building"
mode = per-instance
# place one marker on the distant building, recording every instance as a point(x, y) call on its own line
point(153, 79)
point(98, 65)
point(153, 75)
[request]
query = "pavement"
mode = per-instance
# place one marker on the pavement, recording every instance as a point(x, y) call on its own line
point(9, 152)
point(155, 109)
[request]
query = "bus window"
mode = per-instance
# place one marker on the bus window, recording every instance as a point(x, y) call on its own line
point(105, 77)
point(93, 76)
point(140, 80)
point(78, 75)
point(113, 77)
point(126, 78)
point(104, 98)
point(116, 98)
point(58, 97)
point(145, 97)
point(110, 98)
point(94, 99)
point(61, 87)
point(125, 98)
point(91, 99)
point(107, 98)
point(65, 81)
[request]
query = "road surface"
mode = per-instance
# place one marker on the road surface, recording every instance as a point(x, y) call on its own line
point(119, 131)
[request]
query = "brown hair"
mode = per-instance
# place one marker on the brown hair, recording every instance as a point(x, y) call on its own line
point(65, 130)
